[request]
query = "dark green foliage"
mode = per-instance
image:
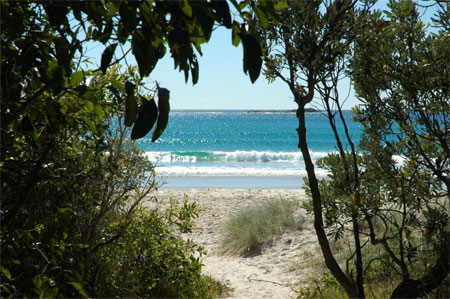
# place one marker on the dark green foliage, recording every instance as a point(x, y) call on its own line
point(131, 108)
point(398, 203)
point(306, 50)
point(404, 81)
point(57, 203)
point(397, 69)
point(107, 56)
point(163, 113)
point(145, 120)
point(70, 197)
point(252, 55)
point(151, 261)
point(223, 11)
point(41, 48)
point(71, 182)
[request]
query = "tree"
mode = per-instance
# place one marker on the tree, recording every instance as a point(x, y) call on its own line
point(309, 50)
point(401, 75)
point(70, 189)
point(65, 179)
point(45, 41)
point(305, 50)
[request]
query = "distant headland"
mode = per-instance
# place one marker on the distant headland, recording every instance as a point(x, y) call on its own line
point(282, 111)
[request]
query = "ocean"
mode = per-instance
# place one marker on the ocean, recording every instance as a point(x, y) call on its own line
point(237, 149)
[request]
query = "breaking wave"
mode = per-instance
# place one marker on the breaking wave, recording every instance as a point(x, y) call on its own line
point(236, 156)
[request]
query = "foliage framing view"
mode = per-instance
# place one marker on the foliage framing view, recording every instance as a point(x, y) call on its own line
point(72, 183)
point(368, 197)
point(71, 190)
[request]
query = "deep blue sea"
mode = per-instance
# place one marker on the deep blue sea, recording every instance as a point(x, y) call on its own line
point(237, 149)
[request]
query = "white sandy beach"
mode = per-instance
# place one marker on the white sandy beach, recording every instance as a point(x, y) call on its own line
point(271, 274)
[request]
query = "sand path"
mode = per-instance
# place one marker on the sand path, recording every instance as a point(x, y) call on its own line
point(271, 274)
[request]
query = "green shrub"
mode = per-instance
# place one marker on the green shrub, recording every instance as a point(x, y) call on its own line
point(381, 278)
point(322, 286)
point(151, 260)
point(211, 288)
point(250, 229)
point(71, 220)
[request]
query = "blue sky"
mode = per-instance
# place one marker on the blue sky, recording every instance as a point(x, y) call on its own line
point(222, 82)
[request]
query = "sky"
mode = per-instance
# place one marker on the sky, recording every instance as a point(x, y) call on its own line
point(222, 83)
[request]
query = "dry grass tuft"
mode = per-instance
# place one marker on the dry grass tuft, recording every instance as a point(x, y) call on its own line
point(254, 227)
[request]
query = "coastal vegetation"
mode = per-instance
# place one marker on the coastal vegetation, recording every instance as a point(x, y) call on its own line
point(73, 183)
point(254, 227)
point(403, 115)
point(81, 229)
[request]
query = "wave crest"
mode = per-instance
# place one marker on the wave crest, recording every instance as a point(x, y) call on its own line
point(189, 171)
point(236, 156)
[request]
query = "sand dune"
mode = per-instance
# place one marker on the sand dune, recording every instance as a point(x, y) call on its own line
point(269, 275)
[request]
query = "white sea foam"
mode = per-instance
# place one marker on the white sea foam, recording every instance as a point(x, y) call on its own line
point(169, 157)
point(186, 171)
point(237, 163)
point(236, 156)
point(255, 156)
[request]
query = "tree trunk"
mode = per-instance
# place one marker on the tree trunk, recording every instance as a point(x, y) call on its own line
point(410, 288)
point(331, 263)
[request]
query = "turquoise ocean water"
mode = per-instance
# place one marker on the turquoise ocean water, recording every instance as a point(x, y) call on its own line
point(237, 149)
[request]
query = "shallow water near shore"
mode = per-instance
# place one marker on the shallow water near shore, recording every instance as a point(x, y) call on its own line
point(245, 182)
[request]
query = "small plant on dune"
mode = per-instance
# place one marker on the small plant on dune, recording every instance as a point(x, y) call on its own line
point(153, 261)
point(381, 278)
point(252, 228)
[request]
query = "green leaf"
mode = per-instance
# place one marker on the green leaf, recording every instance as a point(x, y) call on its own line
point(129, 88)
point(163, 113)
point(206, 22)
point(6, 273)
point(145, 120)
point(99, 111)
point(145, 53)
point(89, 106)
point(115, 92)
point(243, 5)
point(107, 56)
point(194, 70)
point(252, 56)
point(128, 17)
point(130, 110)
point(90, 124)
point(223, 10)
point(30, 129)
point(113, 8)
point(186, 8)
point(76, 78)
point(118, 85)
point(262, 17)
point(37, 281)
point(281, 5)
point(269, 10)
point(79, 288)
point(235, 39)
point(5, 288)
